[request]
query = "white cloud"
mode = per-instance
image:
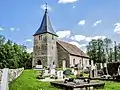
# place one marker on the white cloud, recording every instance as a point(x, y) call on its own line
point(82, 22)
point(28, 40)
point(64, 34)
point(29, 50)
point(67, 1)
point(97, 22)
point(86, 38)
point(1, 29)
point(117, 28)
point(44, 7)
point(78, 37)
point(73, 6)
point(12, 29)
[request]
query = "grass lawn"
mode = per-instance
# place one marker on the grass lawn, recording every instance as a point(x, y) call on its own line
point(109, 85)
point(28, 81)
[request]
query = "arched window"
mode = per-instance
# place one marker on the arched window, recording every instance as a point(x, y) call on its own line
point(40, 37)
point(73, 61)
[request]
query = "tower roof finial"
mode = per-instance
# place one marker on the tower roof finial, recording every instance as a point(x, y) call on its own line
point(46, 6)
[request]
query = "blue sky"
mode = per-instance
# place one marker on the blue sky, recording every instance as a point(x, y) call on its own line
point(75, 21)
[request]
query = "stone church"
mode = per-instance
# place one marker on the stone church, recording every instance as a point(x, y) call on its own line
point(48, 50)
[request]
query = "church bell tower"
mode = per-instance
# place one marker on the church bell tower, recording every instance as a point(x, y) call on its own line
point(45, 49)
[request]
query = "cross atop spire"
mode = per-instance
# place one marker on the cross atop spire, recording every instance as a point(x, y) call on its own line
point(46, 7)
point(45, 26)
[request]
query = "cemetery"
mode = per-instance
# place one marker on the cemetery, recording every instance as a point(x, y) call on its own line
point(59, 79)
point(59, 63)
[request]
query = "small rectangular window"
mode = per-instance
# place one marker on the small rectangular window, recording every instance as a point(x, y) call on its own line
point(40, 37)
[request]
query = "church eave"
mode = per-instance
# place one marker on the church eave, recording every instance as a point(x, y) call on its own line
point(44, 33)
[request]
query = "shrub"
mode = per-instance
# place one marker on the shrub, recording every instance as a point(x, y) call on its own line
point(86, 71)
point(67, 72)
point(113, 67)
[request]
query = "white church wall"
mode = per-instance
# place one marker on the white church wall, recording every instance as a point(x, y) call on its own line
point(85, 63)
point(75, 60)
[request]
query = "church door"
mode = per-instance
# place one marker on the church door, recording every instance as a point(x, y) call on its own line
point(39, 62)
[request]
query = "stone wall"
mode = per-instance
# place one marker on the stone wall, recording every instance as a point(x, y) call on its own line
point(13, 73)
point(62, 55)
point(8, 75)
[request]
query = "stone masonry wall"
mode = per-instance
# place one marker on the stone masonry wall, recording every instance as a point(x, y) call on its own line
point(13, 73)
point(62, 55)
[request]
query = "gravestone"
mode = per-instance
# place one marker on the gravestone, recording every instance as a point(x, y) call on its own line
point(101, 66)
point(105, 64)
point(119, 70)
point(60, 74)
point(95, 71)
point(53, 72)
point(79, 66)
point(75, 72)
point(90, 71)
point(46, 72)
point(64, 64)
point(92, 62)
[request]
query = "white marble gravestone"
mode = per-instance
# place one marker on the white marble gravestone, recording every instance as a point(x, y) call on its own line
point(75, 72)
point(53, 72)
point(46, 73)
point(60, 74)
point(95, 71)
point(64, 64)
point(101, 66)
point(90, 71)
point(105, 64)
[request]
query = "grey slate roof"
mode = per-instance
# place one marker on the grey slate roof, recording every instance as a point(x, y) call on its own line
point(46, 26)
point(72, 49)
